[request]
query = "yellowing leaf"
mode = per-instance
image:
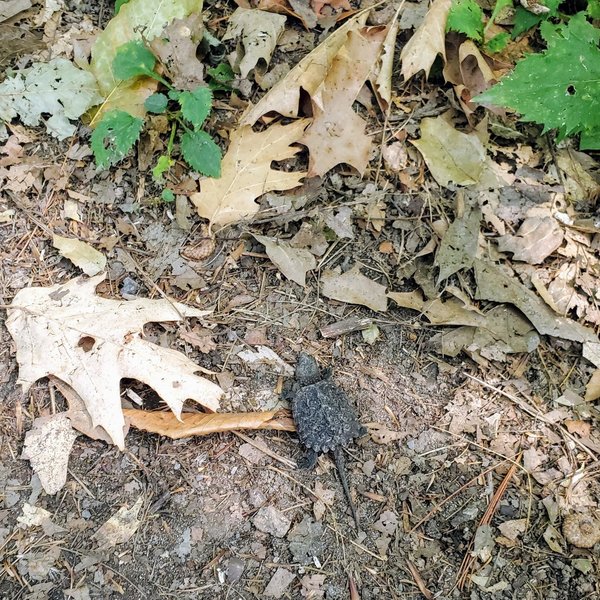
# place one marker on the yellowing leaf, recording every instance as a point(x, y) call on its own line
point(136, 19)
point(337, 134)
point(82, 255)
point(307, 75)
point(450, 154)
point(427, 42)
point(91, 343)
point(246, 173)
point(353, 287)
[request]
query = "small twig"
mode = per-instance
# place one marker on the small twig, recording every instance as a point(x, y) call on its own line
point(469, 558)
point(263, 448)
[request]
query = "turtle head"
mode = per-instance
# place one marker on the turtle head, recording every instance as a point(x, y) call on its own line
point(307, 370)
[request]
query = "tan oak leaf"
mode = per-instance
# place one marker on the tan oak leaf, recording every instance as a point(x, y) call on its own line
point(246, 173)
point(337, 134)
point(427, 42)
point(91, 343)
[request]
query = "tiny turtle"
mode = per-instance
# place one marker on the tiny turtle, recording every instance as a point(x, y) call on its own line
point(325, 420)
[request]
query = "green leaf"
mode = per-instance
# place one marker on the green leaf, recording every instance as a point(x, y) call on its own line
point(497, 43)
point(220, 78)
point(525, 20)
point(133, 59)
point(118, 5)
point(163, 164)
point(466, 17)
point(114, 137)
point(157, 103)
point(196, 105)
point(222, 73)
point(593, 9)
point(559, 88)
point(167, 195)
point(498, 8)
point(201, 153)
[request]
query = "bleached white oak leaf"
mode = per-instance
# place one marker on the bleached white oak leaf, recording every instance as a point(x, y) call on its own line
point(91, 343)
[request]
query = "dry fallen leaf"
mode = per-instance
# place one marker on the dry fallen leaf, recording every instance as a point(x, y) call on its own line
point(451, 155)
point(292, 262)
point(307, 75)
point(258, 32)
point(82, 255)
point(246, 173)
point(120, 527)
point(536, 239)
point(91, 343)
point(165, 423)
point(427, 42)
point(47, 447)
point(337, 133)
point(353, 287)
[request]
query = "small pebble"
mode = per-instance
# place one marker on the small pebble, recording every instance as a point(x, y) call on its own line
point(270, 520)
point(235, 568)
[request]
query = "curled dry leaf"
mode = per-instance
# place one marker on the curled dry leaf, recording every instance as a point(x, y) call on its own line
point(165, 423)
point(67, 331)
point(307, 75)
point(427, 42)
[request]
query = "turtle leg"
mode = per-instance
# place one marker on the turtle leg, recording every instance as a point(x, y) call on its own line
point(309, 460)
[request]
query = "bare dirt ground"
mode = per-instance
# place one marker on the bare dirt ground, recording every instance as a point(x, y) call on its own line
point(462, 484)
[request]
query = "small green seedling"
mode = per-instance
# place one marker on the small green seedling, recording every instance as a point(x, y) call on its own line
point(116, 133)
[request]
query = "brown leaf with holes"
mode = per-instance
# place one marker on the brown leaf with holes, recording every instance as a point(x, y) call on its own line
point(337, 133)
point(91, 343)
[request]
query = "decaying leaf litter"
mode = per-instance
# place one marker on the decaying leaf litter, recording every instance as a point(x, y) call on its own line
point(481, 459)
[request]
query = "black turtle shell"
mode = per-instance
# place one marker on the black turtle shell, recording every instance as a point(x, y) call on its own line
point(324, 417)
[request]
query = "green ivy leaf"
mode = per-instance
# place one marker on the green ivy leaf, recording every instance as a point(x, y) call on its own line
point(133, 59)
point(497, 43)
point(466, 16)
point(201, 153)
point(114, 137)
point(560, 87)
point(196, 105)
point(157, 103)
point(163, 164)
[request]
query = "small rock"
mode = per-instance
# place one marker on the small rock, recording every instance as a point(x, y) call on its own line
point(279, 583)
point(306, 541)
point(235, 568)
point(270, 520)
point(258, 550)
point(368, 467)
point(256, 498)
point(251, 454)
